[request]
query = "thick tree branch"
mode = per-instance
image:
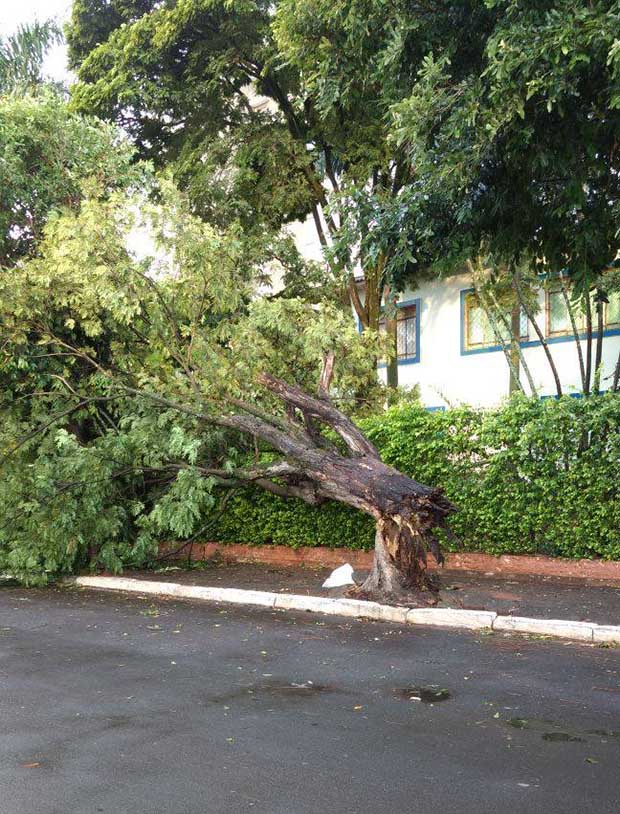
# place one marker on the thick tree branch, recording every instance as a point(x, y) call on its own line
point(322, 410)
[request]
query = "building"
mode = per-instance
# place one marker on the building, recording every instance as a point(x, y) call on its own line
point(449, 350)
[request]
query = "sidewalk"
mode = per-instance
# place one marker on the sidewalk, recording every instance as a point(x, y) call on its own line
point(508, 595)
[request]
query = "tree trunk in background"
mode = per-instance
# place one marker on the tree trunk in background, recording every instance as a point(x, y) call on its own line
point(616, 380)
point(391, 329)
point(588, 344)
point(573, 322)
point(515, 326)
point(371, 313)
point(600, 325)
point(541, 337)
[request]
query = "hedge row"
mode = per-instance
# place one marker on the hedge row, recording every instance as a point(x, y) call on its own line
point(531, 477)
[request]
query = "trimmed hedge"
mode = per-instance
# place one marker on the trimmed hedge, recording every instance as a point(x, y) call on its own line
point(531, 477)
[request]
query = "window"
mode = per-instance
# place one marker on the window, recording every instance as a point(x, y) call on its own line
point(612, 310)
point(406, 333)
point(558, 318)
point(479, 333)
point(406, 339)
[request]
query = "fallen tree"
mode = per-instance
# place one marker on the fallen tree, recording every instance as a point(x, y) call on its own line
point(314, 469)
point(407, 513)
point(154, 379)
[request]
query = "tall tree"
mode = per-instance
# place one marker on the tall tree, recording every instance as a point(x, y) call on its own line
point(274, 112)
point(522, 147)
point(22, 55)
point(47, 155)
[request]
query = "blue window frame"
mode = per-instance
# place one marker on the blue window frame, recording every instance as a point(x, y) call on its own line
point(407, 332)
point(477, 334)
point(558, 323)
point(526, 342)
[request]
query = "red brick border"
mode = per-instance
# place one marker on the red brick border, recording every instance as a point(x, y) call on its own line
point(466, 561)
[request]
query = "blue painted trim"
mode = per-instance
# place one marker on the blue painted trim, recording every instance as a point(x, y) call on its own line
point(464, 293)
point(417, 302)
point(435, 409)
point(572, 395)
point(413, 360)
point(525, 343)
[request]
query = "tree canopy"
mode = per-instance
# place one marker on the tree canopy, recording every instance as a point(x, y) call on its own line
point(272, 112)
point(129, 384)
point(22, 54)
point(524, 144)
point(46, 156)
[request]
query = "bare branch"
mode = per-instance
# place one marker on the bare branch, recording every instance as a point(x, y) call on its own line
point(327, 374)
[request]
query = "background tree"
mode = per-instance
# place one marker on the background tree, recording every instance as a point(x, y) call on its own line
point(273, 112)
point(46, 155)
point(522, 146)
point(22, 55)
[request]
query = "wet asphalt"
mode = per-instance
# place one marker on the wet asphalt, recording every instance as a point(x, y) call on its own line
point(117, 704)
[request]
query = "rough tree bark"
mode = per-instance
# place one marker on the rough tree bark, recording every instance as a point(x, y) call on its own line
point(407, 514)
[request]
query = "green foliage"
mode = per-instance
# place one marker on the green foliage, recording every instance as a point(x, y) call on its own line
point(115, 370)
point(256, 517)
point(46, 156)
point(270, 112)
point(176, 77)
point(68, 504)
point(22, 54)
point(520, 138)
point(532, 477)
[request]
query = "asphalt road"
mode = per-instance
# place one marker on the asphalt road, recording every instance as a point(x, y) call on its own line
point(125, 706)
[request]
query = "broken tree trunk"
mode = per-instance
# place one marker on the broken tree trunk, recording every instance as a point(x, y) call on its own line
point(407, 514)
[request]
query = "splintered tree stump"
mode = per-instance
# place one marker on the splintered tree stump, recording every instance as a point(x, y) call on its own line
point(407, 513)
point(399, 583)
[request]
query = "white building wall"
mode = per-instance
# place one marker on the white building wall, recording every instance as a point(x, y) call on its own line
point(306, 239)
point(448, 376)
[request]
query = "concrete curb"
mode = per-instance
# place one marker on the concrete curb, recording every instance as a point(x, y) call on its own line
point(435, 617)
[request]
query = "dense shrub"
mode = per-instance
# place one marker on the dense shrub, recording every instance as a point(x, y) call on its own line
point(531, 477)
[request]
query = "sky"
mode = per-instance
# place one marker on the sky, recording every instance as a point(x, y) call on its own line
point(16, 12)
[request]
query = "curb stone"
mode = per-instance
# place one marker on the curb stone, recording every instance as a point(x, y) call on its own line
point(606, 634)
point(452, 617)
point(357, 608)
point(549, 627)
